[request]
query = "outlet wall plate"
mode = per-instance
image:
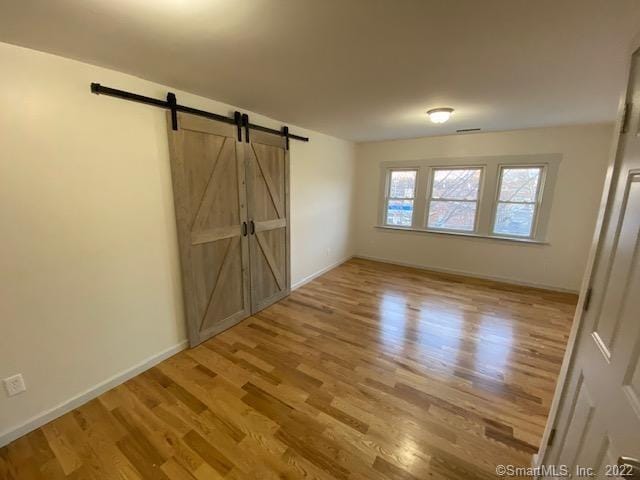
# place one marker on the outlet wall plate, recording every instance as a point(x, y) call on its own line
point(14, 385)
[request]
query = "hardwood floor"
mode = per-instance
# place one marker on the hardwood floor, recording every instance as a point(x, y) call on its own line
point(369, 372)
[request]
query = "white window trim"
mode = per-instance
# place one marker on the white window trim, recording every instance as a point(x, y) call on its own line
point(432, 173)
point(388, 197)
point(536, 205)
point(487, 201)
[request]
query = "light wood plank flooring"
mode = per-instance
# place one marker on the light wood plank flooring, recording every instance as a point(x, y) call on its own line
point(369, 372)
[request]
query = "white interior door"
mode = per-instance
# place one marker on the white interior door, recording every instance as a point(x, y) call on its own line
point(598, 420)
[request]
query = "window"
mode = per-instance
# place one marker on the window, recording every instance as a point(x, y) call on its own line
point(519, 194)
point(401, 191)
point(507, 197)
point(453, 201)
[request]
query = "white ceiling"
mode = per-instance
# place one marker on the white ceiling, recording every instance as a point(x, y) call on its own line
point(357, 69)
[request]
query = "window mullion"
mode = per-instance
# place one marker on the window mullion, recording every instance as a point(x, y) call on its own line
point(512, 202)
point(420, 202)
point(453, 200)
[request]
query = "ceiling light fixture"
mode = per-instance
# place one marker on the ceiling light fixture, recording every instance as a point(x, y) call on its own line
point(440, 115)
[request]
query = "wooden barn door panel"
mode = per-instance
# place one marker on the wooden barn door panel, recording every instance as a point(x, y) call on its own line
point(267, 163)
point(207, 164)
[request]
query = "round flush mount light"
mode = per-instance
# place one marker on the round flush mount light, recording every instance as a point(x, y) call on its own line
point(440, 115)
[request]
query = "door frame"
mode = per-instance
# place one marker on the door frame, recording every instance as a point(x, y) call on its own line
point(594, 253)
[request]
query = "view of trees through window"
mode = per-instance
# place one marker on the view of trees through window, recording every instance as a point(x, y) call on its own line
point(517, 200)
point(402, 187)
point(454, 199)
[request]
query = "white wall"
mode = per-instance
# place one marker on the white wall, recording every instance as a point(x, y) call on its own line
point(560, 264)
point(89, 277)
point(322, 200)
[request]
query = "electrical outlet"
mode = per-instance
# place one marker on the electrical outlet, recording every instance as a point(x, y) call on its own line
point(14, 385)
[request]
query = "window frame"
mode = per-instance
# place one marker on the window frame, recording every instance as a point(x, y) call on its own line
point(487, 199)
point(537, 204)
point(388, 197)
point(429, 199)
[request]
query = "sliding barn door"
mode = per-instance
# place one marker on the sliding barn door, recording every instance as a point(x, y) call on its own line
point(207, 166)
point(267, 162)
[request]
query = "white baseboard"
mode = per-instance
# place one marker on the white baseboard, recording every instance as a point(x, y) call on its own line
point(511, 281)
point(37, 421)
point(308, 278)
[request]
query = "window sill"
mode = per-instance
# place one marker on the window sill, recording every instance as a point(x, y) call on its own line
point(462, 234)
